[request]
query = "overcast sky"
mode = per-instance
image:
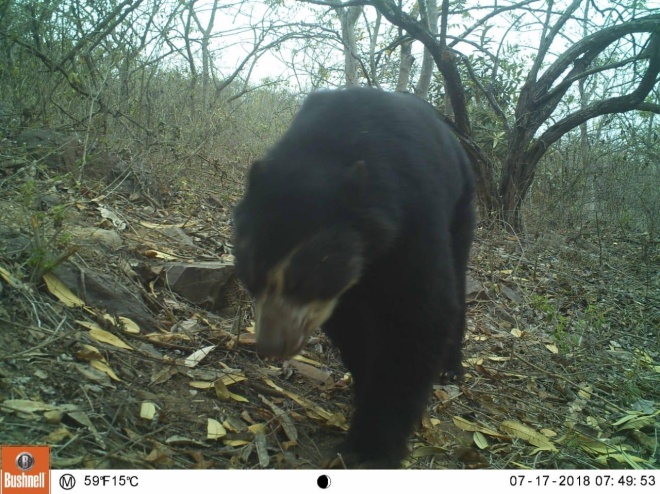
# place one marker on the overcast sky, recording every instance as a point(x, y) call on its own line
point(233, 49)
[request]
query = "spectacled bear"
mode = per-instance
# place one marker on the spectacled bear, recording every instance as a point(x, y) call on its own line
point(359, 221)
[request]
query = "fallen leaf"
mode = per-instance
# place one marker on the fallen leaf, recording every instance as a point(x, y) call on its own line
point(155, 254)
point(61, 292)
point(262, 450)
point(168, 337)
point(301, 358)
point(117, 222)
point(82, 418)
point(235, 443)
point(338, 420)
point(480, 440)
point(255, 428)
point(234, 424)
point(88, 324)
point(247, 339)
point(160, 456)
point(165, 374)
point(221, 390)
point(643, 357)
point(470, 457)
point(585, 391)
point(598, 446)
point(58, 436)
point(468, 426)
point(425, 451)
point(53, 416)
point(634, 461)
point(639, 422)
point(238, 398)
point(106, 337)
point(128, 325)
point(527, 434)
point(214, 430)
point(105, 368)
point(6, 275)
point(148, 410)
point(156, 226)
point(196, 357)
point(89, 353)
point(187, 326)
point(465, 425)
point(184, 441)
point(201, 463)
point(106, 317)
point(229, 379)
point(312, 410)
point(283, 418)
point(588, 443)
point(627, 418)
point(311, 372)
point(201, 384)
point(27, 406)
point(64, 463)
point(93, 375)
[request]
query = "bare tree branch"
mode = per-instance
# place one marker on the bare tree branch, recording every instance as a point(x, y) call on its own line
point(619, 104)
point(105, 27)
point(590, 47)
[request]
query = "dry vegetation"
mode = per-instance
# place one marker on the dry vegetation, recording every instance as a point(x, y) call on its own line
point(125, 133)
point(562, 354)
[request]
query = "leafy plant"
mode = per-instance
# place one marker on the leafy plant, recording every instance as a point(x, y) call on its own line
point(560, 324)
point(45, 256)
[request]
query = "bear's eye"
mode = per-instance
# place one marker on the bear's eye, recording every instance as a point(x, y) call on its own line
point(294, 286)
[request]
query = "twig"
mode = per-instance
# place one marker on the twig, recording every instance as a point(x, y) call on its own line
point(563, 378)
point(50, 340)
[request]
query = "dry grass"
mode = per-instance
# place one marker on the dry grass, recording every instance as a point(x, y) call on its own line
point(562, 355)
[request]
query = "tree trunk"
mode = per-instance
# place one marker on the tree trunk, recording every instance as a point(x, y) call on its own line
point(513, 191)
point(430, 15)
point(531, 132)
point(348, 18)
point(405, 66)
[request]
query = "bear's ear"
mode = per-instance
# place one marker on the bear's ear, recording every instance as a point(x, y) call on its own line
point(256, 171)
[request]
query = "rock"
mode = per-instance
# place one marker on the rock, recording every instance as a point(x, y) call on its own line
point(211, 285)
point(511, 294)
point(474, 290)
point(95, 236)
point(13, 242)
point(102, 291)
point(48, 201)
point(178, 234)
point(55, 149)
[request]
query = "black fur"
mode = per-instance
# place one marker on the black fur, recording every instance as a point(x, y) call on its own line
point(369, 198)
